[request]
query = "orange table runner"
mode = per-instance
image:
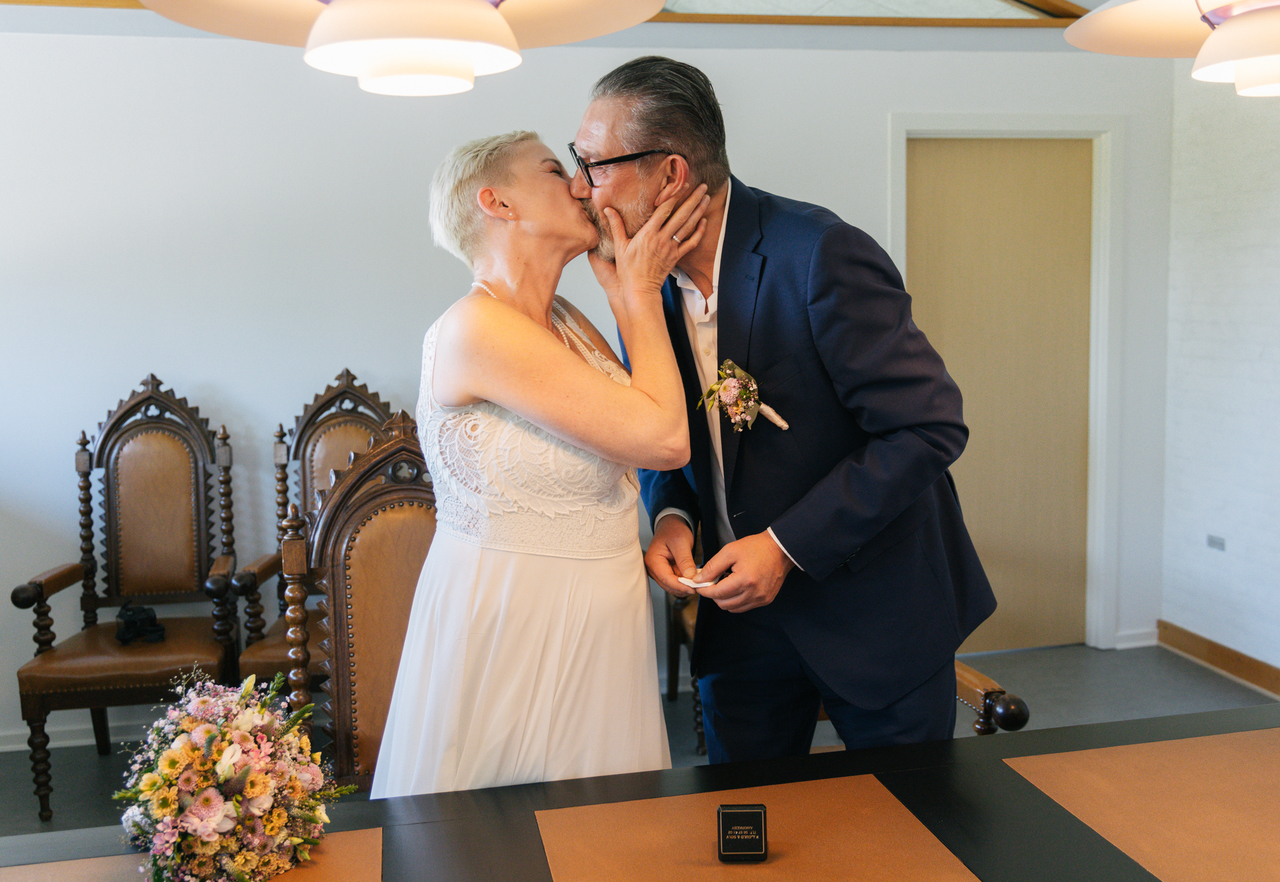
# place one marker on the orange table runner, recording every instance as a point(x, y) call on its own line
point(353, 856)
point(1192, 810)
point(838, 828)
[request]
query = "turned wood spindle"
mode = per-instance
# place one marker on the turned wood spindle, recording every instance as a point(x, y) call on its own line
point(226, 518)
point(89, 595)
point(293, 568)
point(280, 453)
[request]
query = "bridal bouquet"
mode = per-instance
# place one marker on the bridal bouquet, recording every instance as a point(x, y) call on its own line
point(225, 787)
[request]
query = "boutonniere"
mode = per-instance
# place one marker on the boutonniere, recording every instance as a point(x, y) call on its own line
point(738, 397)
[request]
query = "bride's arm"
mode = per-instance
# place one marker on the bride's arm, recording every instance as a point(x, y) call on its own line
point(486, 350)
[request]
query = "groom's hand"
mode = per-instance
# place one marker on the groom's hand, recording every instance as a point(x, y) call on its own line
point(753, 567)
point(670, 555)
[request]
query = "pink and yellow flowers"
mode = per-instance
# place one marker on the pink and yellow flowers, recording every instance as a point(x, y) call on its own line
point(225, 787)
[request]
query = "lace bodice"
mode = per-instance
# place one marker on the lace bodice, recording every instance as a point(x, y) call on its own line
point(503, 482)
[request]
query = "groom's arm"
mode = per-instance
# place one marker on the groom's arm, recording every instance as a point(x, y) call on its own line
point(668, 490)
point(893, 382)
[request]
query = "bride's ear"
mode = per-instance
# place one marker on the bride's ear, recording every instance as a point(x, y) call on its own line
point(495, 204)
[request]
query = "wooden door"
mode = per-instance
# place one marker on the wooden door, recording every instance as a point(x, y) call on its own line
point(998, 257)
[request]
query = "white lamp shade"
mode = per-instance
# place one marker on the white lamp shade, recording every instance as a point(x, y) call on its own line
point(286, 22)
point(412, 47)
point(1253, 35)
point(1145, 28)
point(1259, 77)
point(554, 22)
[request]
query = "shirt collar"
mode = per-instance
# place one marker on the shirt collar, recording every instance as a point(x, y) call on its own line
point(693, 301)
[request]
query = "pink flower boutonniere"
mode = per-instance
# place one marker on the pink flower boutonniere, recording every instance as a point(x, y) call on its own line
point(738, 397)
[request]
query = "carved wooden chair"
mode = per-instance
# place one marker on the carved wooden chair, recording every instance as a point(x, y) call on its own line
point(993, 708)
point(343, 420)
point(158, 461)
point(363, 548)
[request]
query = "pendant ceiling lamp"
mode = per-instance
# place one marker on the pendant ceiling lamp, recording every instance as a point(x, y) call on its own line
point(1236, 42)
point(410, 47)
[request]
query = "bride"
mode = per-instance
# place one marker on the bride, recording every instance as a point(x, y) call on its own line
point(529, 654)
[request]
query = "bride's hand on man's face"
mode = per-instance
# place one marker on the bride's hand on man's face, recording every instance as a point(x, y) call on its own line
point(606, 271)
point(672, 231)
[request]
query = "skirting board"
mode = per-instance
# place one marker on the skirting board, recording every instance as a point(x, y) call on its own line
point(1236, 665)
point(77, 735)
point(1136, 638)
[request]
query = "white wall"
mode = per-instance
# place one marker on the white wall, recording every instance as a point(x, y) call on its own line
point(243, 226)
point(1224, 370)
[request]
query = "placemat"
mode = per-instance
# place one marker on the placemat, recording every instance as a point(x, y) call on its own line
point(1191, 810)
point(352, 856)
point(838, 828)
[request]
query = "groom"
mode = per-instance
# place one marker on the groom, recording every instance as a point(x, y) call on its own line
point(842, 571)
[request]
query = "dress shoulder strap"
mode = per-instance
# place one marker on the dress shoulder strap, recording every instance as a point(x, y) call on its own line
point(573, 333)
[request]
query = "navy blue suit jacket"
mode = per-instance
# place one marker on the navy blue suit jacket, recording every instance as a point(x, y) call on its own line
point(857, 491)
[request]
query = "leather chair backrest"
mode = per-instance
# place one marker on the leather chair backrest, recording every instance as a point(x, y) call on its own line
point(382, 558)
point(368, 540)
point(154, 501)
point(340, 421)
point(330, 447)
point(160, 464)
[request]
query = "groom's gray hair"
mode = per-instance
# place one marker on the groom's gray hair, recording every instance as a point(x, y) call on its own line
point(673, 109)
point(457, 223)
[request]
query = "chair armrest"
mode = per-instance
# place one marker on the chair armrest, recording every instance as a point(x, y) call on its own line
point(972, 687)
point(247, 584)
point(218, 587)
point(995, 707)
point(223, 566)
point(47, 584)
point(218, 584)
point(37, 592)
point(250, 578)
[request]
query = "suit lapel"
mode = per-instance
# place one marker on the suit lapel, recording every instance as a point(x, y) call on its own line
point(739, 286)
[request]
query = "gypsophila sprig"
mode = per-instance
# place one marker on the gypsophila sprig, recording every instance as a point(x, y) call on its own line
point(225, 787)
point(738, 397)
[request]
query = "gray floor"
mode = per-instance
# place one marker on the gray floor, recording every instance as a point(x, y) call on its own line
point(1063, 686)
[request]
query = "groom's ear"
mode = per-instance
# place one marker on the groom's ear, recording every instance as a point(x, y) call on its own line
point(676, 179)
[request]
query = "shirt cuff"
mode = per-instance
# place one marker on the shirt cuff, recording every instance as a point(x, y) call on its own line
point(680, 513)
point(774, 537)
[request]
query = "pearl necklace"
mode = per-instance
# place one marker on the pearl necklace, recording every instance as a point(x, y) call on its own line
point(555, 322)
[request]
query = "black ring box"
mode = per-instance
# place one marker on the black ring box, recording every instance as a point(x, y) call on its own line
point(743, 837)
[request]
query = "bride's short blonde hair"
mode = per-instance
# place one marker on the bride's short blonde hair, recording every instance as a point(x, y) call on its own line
point(457, 223)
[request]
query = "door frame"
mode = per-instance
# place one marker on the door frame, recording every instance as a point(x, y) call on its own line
point(1102, 538)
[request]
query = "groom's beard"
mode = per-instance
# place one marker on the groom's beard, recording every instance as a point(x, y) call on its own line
point(634, 214)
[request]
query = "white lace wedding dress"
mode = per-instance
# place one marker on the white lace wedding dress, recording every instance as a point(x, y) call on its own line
point(530, 653)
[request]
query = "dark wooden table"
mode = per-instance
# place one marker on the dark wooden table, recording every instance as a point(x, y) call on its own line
point(992, 819)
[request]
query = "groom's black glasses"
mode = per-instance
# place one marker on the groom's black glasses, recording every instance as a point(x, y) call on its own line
point(588, 166)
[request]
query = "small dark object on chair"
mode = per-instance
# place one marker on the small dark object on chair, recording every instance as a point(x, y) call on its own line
point(138, 623)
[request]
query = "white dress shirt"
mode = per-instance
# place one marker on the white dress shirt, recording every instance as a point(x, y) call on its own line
point(702, 325)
